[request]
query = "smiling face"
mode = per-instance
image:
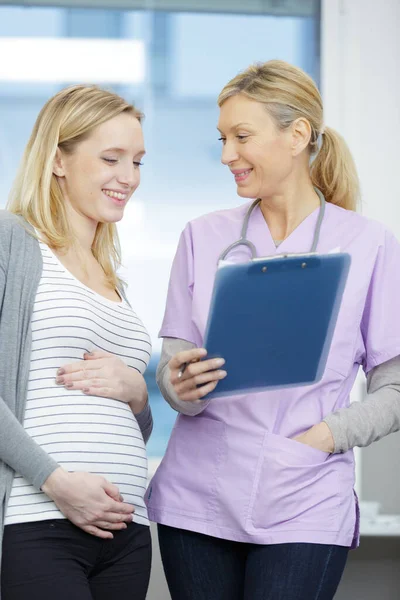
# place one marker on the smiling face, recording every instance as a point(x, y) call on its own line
point(101, 173)
point(260, 155)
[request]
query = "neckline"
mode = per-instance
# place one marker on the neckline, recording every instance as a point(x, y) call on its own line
point(114, 303)
point(289, 243)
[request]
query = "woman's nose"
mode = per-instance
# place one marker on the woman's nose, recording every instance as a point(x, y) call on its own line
point(229, 153)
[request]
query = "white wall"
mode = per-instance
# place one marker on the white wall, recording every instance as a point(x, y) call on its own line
point(361, 87)
point(360, 82)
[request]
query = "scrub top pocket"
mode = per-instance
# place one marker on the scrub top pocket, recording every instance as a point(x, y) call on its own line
point(296, 487)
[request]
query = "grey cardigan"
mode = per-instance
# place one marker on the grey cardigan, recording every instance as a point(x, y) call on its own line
point(20, 272)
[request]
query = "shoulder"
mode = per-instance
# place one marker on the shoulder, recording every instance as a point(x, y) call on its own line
point(14, 231)
point(10, 223)
point(7, 219)
point(218, 222)
point(225, 216)
point(356, 226)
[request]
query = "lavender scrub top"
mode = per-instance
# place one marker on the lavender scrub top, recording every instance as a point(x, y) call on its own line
point(232, 471)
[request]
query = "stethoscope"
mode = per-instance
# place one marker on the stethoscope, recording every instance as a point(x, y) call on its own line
point(243, 241)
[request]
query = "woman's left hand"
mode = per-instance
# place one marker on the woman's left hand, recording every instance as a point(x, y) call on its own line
point(104, 374)
point(318, 437)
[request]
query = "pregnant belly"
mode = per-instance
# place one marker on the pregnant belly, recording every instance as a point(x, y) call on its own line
point(86, 433)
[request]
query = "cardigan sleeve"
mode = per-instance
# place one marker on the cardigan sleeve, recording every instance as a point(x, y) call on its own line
point(20, 452)
point(375, 417)
point(170, 347)
point(17, 449)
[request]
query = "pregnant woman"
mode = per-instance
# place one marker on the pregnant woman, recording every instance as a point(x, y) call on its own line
point(74, 415)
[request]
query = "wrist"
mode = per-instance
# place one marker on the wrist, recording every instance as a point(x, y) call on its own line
point(55, 482)
point(324, 436)
point(140, 401)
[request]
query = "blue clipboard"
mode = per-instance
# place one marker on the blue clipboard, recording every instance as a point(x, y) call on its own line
point(272, 320)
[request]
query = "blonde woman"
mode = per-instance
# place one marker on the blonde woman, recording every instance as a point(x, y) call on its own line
point(254, 497)
point(74, 413)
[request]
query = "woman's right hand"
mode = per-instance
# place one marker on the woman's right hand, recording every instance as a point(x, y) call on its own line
point(89, 501)
point(200, 376)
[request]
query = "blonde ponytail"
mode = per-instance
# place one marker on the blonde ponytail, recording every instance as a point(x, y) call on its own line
point(333, 171)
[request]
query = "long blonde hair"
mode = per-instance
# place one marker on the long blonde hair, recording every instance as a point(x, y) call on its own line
point(65, 120)
point(288, 94)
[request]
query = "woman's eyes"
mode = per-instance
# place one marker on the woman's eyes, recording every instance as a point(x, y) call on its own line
point(113, 161)
point(241, 138)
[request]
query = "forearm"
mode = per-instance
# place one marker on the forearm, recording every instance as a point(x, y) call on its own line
point(19, 451)
point(170, 347)
point(365, 422)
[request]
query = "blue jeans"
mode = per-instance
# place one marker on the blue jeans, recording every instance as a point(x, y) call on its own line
point(200, 567)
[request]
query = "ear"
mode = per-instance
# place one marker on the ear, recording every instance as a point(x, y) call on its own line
point(301, 135)
point(58, 164)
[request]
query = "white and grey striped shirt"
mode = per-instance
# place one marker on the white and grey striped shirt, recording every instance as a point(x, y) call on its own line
point(81, 432)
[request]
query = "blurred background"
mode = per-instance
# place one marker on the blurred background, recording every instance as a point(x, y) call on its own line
point(172, 65)
point(171, 58)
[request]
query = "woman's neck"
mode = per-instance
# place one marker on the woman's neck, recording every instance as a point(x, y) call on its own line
point(284, 212)
point(83, 231)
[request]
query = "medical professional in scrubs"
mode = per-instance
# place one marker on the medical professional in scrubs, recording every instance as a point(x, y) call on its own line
point(254, 497)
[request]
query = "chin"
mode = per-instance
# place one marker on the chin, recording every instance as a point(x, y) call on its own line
point(117, 218)
point(113, 216)
point(244, 192)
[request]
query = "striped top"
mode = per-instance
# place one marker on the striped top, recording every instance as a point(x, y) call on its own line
point(81, 432)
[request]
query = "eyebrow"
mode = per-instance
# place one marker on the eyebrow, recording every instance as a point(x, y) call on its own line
point(237, 126)
point(122, 150)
